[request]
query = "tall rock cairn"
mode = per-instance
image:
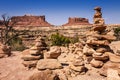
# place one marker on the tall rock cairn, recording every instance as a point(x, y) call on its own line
point(32, 55)
point(97, 44)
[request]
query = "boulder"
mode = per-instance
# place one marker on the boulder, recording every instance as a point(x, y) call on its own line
point(101, 50)
point(54, 52)
point(113, 57)
point(96, 63)
point(103, 57)
point(109, 64)
point(48, 64)
point(78, 62)
point(112, 74)
point(87, 50)
point(115, 46)
point(44, 75)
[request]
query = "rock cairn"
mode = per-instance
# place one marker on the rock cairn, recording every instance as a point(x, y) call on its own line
point(97, 44)
point(32, 55)
point(95, 52)
point(4, 50)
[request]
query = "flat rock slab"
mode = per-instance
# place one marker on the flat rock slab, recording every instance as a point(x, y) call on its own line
point(48, 64)
point(30, 57)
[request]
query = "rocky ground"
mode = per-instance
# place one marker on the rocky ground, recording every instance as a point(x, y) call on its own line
point(11, 68)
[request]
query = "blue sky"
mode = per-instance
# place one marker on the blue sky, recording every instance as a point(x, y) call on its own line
point(58, 11)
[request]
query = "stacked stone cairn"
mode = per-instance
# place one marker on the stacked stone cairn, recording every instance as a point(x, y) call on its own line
point(35, 53)
point(97, 44)
point(5, 50)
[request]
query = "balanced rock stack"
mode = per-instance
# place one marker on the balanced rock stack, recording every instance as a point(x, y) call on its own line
point(77, 67)
point(32, 55)
point(50, 59)
point(97, 44)
point(4, 50)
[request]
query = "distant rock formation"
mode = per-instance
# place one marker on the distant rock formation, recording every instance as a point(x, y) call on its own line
point(30, 20)
point(77, 21)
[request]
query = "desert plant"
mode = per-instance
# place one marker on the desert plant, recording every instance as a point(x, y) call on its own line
point(59, 40)
point(9, 36)
point(117, 32)
point(7, 31)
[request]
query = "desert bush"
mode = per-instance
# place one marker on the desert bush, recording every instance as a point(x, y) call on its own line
point(59, 40)
point(117, 32)
point(16, 44)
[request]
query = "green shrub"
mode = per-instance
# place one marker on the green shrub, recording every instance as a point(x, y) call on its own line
point(59, 40)
point(117, 32)
point(16, 44)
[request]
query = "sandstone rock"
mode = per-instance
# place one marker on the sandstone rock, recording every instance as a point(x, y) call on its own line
point(113, 57)
point(25, 52)
point(112, 74)
point(54, 52)
point(48, 64)
point(108, 37)
point(101, 50)
point(30, 57)
point(96, 63)
point(98, 20)
point(115, 66)
point(30, 64)
point(78, 68)
point(64, 50)
point(39, 44)
point(34, 52)
point(97, 54)
point(44, 75)
point(88, 50)
point(98, 42)
point(103, 57)
point(61, 74)
point(99, 27)
point(35, 48)
point(78, 62)
point(115, 47)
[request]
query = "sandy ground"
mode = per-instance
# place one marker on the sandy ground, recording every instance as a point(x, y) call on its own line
point(12, 69)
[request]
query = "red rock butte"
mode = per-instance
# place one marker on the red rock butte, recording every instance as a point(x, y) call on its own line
point(29, 20)
point(77, 21)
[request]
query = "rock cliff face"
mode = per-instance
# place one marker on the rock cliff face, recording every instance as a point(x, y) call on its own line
point(29, 20)
point(77, 21)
